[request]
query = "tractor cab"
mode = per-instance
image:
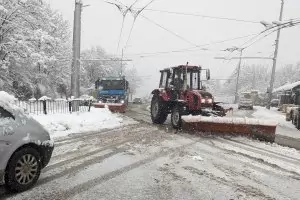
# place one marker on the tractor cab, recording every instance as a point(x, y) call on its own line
point(183, 77)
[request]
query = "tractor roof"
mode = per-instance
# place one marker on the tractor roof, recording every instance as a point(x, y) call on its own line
point(183, 67)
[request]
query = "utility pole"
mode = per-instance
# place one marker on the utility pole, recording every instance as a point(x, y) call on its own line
point(75, 74)
point(275, 59)
point(238, 77)
point(121, 74)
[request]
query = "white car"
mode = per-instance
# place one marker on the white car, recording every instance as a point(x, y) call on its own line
point(25, 147)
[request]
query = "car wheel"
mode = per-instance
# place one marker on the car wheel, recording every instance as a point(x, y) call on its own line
point(23, 170)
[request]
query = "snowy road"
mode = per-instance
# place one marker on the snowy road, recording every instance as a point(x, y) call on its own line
point(144, 161)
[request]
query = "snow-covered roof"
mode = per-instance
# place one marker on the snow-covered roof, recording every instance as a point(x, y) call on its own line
point(286, 87)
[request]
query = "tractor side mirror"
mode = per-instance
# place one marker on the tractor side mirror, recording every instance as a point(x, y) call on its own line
point(208, 74)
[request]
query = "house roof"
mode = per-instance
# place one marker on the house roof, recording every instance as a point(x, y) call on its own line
point(287, 87)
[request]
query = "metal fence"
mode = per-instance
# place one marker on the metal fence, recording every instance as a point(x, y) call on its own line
point(54, 106)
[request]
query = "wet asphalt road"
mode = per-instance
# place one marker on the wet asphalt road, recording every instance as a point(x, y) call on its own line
point(144, 161)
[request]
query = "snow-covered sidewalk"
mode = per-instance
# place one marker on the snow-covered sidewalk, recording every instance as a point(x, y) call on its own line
point(63, 124)
point(284, 127)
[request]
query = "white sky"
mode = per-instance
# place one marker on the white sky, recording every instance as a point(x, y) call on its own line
point(101, 24)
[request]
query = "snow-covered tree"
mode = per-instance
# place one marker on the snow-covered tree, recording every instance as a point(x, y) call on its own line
point(33, 41)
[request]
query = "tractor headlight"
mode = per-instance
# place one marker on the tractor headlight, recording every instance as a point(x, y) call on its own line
point(100, 101)
point(202, 100)
point(122, 101)
point(209, 100)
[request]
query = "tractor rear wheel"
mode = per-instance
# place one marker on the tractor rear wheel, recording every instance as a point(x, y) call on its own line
point(176, 117)
point(158, 109)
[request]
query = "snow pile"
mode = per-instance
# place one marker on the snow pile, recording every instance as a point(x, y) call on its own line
point(63, 124)
point(263, 113)
point(284, 127)
point(228, 120)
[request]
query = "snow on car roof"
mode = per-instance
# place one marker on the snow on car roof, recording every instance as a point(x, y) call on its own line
point(7, 101)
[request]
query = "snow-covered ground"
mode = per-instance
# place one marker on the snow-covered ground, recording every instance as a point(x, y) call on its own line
point(284, 127)
point(63, 124)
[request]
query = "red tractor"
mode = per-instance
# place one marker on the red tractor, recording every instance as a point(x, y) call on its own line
point(181, 93)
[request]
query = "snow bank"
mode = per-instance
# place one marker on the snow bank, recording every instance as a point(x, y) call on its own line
point(263, 113)
point(229, 120)
point(284, 127)
point(63, 124)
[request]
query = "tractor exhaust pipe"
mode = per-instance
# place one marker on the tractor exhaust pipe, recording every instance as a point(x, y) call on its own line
point(185, 77)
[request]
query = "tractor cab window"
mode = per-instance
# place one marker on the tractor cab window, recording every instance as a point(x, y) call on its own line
point(178, 80)
point(194, 80)
point(163, 80)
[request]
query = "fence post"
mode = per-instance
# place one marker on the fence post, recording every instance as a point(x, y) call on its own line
point(45, 107)
point(90, 104)
point(70, 106)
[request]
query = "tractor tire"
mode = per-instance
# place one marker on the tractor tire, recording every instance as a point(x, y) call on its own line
point(176, 117)
point(158, 110)
point(23, 170)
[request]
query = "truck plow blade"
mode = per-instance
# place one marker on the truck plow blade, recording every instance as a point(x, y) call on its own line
point(258, 129)
point(113, 107)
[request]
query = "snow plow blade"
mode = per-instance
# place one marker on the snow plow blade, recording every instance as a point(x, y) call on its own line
point(113, 107)
point(258, 129)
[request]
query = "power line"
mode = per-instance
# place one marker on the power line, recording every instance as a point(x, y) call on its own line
point(173, 33)
point(289, 23)
point(204, 16)
point(135, 15)
point(198, 48)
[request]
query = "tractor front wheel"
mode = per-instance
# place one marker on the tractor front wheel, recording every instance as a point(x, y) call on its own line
point(176, 117)
point(158, 109)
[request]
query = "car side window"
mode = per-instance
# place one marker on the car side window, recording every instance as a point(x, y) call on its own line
point(5, 114)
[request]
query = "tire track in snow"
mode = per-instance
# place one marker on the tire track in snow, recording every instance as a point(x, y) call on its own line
point(266, 150)
point(67, 194)
point(79, 137)
point(260, 160)
point(249, 190)
point(84, 154)
point(106, 137)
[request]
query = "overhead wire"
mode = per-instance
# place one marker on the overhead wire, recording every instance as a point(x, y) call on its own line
point(173, 33)
point(203, 16)
point(198, 48)
point(135, 15)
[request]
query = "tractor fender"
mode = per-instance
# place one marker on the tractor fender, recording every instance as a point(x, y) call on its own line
point(162, 93)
